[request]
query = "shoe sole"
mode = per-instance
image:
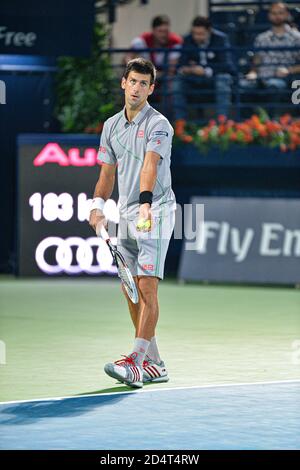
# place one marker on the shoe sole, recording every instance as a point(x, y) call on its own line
point(157, 380)
point(112, 373)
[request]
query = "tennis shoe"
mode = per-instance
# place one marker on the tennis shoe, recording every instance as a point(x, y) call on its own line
point(126, 371)
point(155, 372)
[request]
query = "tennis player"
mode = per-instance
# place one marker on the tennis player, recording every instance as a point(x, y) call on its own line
point(138, 141)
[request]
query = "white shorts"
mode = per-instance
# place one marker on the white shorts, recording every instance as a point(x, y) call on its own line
point(145, 252)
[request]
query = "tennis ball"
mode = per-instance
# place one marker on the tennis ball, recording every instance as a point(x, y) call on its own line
point(143, 225)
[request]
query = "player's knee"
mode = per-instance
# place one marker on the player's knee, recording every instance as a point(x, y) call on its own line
point(148, 289)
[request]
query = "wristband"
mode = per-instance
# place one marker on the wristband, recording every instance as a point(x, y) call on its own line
point(146, 197)
point(97, 203)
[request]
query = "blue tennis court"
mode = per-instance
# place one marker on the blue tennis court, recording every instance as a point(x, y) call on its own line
point(238, 416)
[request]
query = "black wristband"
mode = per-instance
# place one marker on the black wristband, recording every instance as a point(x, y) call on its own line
point(146, 197)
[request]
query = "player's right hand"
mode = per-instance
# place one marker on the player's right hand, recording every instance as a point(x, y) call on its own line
point(97, 220)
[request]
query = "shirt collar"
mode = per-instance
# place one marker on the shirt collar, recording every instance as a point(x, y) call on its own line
point(139, 115)
point(205, 44)
point(287, 30)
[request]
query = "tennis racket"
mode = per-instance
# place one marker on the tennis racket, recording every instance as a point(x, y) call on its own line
point(123, 270)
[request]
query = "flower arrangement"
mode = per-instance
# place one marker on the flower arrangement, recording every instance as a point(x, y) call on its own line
point(259, 129)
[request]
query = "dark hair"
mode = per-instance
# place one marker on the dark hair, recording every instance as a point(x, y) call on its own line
point(202, 21)
point(159, 20)
point(143, 66)
point(285, 6)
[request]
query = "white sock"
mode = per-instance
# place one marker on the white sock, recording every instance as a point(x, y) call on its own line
point(139, 348)
point(152, 351)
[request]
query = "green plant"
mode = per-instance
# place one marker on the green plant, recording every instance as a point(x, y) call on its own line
point(259, 129)
point(84, 88)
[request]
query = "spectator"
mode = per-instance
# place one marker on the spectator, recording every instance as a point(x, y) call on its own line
point(200, 68)
point(159, 37)
point(275, 69)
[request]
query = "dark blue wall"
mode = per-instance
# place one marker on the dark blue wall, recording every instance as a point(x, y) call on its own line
point(28, 108)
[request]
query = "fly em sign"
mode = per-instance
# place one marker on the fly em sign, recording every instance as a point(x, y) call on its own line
point(253, 240)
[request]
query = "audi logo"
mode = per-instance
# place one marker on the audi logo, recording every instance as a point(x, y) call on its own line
point(75, 255)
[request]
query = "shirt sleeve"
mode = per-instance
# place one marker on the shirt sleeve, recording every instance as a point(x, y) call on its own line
point(105, 152)
point(160, 138)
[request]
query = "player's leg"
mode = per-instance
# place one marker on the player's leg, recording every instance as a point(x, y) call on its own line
point(134, 309)
point(153, 367)
point(129, 249)
point(153, 247)
point(129, 369)
point(148, 315)
point(144, 317)
point(127, 245)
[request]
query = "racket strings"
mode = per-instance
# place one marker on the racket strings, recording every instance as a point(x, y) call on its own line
point(124, 275)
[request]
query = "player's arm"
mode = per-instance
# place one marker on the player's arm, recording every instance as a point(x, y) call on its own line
point(149, 171)
point(103, 190)
point(148, 177)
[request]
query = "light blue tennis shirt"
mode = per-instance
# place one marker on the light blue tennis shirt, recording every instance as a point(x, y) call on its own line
point(125, 143)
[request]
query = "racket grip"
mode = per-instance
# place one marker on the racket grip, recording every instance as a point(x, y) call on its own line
point(103, 233)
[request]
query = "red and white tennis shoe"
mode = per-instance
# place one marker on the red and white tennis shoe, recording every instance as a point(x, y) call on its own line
point(126, 371)
point(154, 372)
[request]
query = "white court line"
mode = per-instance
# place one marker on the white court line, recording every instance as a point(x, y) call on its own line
point(274, 382)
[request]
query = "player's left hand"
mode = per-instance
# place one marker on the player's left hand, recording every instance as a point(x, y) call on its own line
point(144, 223)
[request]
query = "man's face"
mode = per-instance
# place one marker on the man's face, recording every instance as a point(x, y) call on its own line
point(200, 34)
point(137, 88)
point(278, 15)
point(161, 34)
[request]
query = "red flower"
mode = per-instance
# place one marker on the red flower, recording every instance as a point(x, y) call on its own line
point(264, 132)
point(233, 136)
point(222, 119)
point(285, 119)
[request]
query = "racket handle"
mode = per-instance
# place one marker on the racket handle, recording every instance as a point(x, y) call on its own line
point(104, 234)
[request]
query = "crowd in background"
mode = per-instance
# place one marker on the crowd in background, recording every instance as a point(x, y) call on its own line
point(201, 66)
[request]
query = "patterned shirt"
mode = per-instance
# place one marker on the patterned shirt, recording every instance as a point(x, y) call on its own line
point(269, 61)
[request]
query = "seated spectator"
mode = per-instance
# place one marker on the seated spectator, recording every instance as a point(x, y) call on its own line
point(200, 68)
point(275, 69)
point(159, 37)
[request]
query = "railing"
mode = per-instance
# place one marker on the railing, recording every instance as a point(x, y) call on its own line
point(204, 98)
